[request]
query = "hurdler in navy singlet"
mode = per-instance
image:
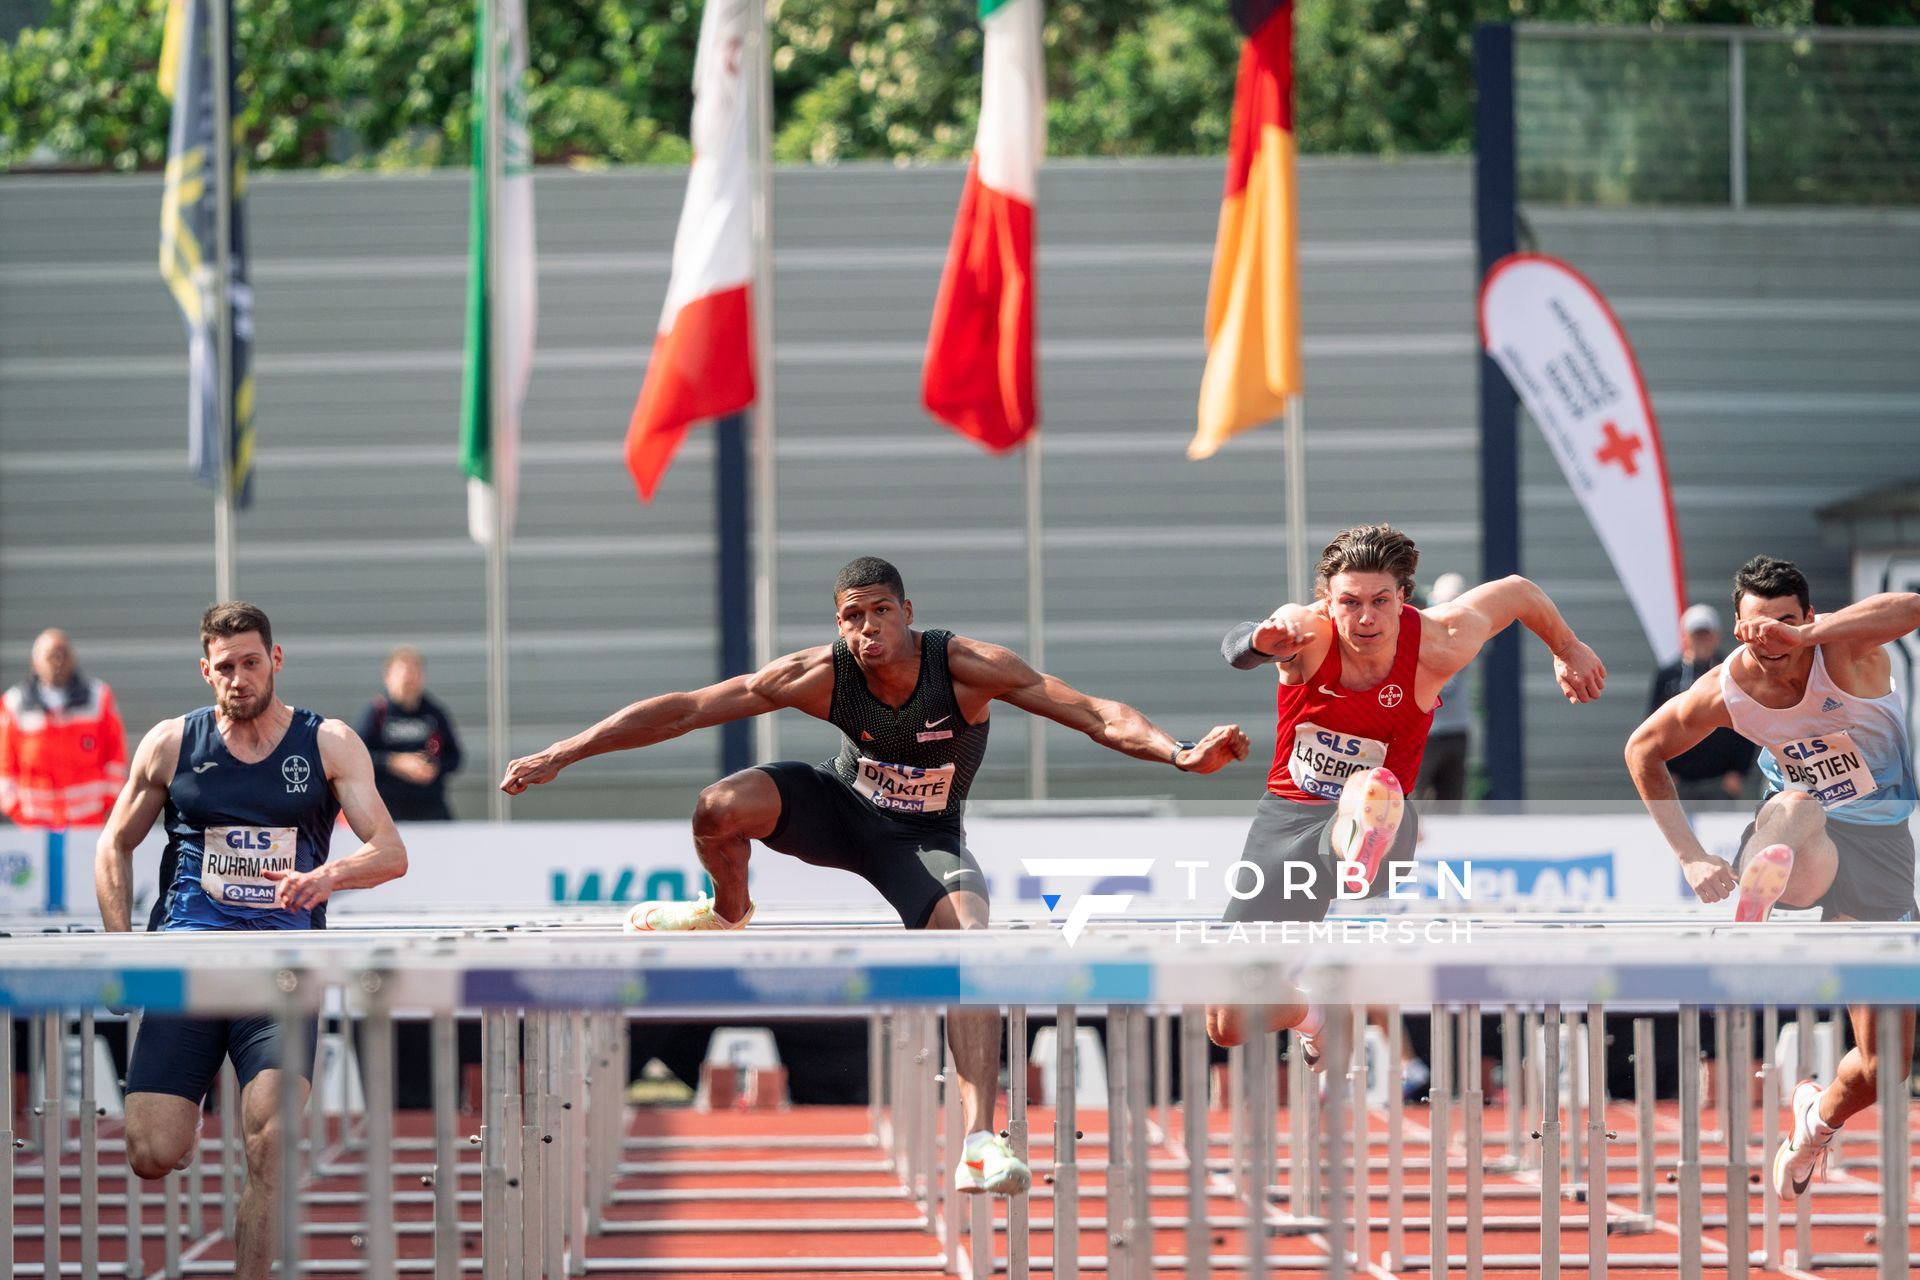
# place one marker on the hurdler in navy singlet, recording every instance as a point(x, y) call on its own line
point(228, 822)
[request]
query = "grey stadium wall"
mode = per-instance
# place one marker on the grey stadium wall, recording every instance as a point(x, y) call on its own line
point(357, 540)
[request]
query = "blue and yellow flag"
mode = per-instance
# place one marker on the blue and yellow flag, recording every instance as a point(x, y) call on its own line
point(187, 236)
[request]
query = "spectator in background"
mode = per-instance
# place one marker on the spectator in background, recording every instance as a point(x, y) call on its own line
point(1443, 771)
point(63, 753)
point(412, 740)
point(1718, 768)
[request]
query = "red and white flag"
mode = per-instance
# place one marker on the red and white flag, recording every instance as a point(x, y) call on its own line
point(702, 363)
point(1558, 342)
point(979, 371)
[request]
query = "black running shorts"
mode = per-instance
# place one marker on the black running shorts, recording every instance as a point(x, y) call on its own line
point(825, 822)
point(1873, 876)
point(181, 1056)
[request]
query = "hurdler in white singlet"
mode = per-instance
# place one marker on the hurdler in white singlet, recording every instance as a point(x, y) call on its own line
point(1850, 753)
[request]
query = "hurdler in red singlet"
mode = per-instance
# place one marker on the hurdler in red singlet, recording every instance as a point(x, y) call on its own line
point(1360, 674)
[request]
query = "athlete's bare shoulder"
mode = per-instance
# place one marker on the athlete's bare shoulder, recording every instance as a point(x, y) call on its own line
point(990, 668)
point(159, 752)
point(795, 679)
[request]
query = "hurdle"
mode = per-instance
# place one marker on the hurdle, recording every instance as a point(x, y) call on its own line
point(1167, 1188)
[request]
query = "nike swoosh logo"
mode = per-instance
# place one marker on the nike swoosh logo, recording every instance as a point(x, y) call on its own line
point(955, 875)
point(934, 724)
point(1330, 693)
point(1800, 1185)
point(202, 768)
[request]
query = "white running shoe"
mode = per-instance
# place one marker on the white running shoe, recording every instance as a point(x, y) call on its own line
point(1762, 881)
point(987, 1163)
point(681, 917)
point(1367, 819)
point(1801, 1156)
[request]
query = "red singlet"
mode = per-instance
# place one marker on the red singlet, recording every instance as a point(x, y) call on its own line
point(1326, 732)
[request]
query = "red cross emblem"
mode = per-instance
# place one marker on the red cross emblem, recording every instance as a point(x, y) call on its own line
point(1620, 449)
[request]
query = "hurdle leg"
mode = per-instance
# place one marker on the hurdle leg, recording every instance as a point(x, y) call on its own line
point(1193, 1103)
point(1770, 1137)
point(1575, 1095)
point(1066, 1169)
point(1739, 1120)
point(1643, 1121)
point(1510, 1082)
point(293, 1036)
point(1302, 1159)
point(1549, 1135)
point(1803, 1207)
point(1017, 1206)
point(53, 1133)
point(1259, 1071)
point(6, 1151)
point(1122, 1226)
point(1721, 1084)
point(1439, 1142)
point(1163, 1071)
point(232, 1148)
point(1472, 1122)
point(89, 1157)
point(1357, 1086)
point(950, 1140)
point(1689, 1170)
point(1896, 1170)
point(493, 1167)
point(1236, 1122)
point(1596, 1143)
point(1396, 1142)
point(533, 1179)
point(1141, 1182)
point(554, 1169)
point(445, 1057)
point(980, 1207)
point(876, 1058)
point(1334, 1045)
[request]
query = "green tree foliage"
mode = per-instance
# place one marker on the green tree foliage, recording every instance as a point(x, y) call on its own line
point(386, 82)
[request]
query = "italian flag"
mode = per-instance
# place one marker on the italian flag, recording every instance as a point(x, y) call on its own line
point(490, 459)
point(702, 362)
point(979, 371)
point(1253, 300)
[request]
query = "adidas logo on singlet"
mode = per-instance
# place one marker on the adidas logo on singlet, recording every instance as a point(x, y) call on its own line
point(1831, 704)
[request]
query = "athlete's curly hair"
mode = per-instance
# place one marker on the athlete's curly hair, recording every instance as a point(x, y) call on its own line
point(1370, 548)
point(234, 618)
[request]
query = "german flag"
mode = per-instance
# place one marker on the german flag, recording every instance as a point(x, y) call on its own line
point(1253, 299)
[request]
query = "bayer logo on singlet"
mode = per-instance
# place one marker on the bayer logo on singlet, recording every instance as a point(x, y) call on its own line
point(296, 771)
point(1390, 695)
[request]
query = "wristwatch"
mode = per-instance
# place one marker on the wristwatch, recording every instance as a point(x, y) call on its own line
point(1178, 747)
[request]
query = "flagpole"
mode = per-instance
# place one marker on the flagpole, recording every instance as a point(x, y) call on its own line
point(497, 705)
point(765, 506)
point(1036, 615)
point(226, 554)
point(1298, 582)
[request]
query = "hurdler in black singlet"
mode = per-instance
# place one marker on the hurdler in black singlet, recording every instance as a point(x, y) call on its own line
point(891, 807)
point(913, 762)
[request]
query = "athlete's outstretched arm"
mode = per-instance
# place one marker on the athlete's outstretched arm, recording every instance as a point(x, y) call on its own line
point(381, 856)
point(140, 802)
point(1281, 636)
point(802, 680)
point(1677, 724)
point(1865, 624)
point(1467, 622)
point(1005, 675)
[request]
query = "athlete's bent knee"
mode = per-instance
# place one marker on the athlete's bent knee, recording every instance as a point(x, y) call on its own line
point(719, 809)
point(147, 1160)
point(1227, 1026)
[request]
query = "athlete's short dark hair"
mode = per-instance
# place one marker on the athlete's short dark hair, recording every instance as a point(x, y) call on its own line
point(869, 571)
point(1770, 578)
point(234, 618)
point(1370, 548)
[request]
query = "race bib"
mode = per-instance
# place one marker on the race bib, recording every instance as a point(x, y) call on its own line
point(234, 859)
point(1828, 766)
point(903, 788)
point(1323, 759)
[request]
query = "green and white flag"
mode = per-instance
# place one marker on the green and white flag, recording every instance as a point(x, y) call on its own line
point(492, 461)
